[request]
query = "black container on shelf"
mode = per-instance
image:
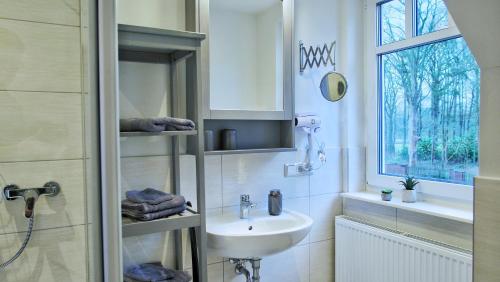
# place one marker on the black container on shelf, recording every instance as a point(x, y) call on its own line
point(229, 139)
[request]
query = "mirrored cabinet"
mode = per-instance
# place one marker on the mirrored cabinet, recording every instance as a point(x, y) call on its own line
point(248, 75)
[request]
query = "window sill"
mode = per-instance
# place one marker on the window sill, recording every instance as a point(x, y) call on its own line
point(438, 210)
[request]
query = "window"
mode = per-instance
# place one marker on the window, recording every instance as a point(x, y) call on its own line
point(426, 100)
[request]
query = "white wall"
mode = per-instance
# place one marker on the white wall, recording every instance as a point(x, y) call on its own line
point(479, 23)
point(152, 13)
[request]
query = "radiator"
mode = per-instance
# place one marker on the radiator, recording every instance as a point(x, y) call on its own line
point(367, 253)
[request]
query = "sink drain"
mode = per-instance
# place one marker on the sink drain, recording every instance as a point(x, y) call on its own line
point(250, 227)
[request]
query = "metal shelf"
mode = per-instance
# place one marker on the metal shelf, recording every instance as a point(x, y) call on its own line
point(162, 133)
point(187, 219)
point(250, 151)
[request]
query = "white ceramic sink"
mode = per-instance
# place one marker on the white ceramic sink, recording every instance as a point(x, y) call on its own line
point(259, 236)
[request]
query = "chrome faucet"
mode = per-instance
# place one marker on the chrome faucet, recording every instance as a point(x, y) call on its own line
point(245, 206)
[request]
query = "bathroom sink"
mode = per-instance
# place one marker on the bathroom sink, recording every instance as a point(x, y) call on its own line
point(258, 236)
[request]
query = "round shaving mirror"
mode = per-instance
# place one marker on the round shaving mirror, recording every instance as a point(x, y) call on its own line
point(333, 86)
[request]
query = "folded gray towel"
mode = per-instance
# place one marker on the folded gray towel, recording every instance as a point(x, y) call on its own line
point(154, 272)
point(178, 123)
point(155, 124)
point(142, 124)
point(148, 196)
point(177, 201)
point(154, 215)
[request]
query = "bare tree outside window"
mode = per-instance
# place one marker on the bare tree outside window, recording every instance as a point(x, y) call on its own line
point(429, 103)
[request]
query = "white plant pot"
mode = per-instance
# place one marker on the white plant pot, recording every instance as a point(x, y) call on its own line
point(409, 196)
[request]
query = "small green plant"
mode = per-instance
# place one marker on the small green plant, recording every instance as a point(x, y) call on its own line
point(409, 183)
point(386, 191)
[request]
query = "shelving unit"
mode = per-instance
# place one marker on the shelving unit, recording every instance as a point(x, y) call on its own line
point(151, 45)
point(162, 133)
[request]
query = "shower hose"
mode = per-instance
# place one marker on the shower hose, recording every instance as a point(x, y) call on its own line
point(23, 246)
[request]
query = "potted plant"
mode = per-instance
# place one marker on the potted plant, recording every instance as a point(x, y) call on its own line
point(409, 194)
point(386, 194)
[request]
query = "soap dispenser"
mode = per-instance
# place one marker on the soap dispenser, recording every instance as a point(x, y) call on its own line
point(275, 202)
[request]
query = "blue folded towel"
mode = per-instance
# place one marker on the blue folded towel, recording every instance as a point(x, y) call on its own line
point(154, 272)
point(176, 201)
point(148, 196)
point(154, 215)
point(155, 124)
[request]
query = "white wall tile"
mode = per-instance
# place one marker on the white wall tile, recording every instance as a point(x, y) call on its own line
point(299, 205)
point(327, 179)
point(323, 210)
point(65, 12)
point(356, 171)
point(157, 247)
point(322, 264)
point(52, 255)
point(66, 209)
point(256, 174)
point(39, 57)
point(138, 173)
point(40, 126)
point(290, 266)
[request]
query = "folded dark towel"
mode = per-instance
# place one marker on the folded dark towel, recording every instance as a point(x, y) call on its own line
point(142, 124)
point(148, 196)
point(178, 123)
point(154, 215)
point(154, 272)
point(177, 201)
point(155, 124)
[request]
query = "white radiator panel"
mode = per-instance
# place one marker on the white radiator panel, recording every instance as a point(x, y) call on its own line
point(364, 253)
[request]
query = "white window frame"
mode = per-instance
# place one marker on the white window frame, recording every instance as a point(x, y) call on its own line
point(372, 92)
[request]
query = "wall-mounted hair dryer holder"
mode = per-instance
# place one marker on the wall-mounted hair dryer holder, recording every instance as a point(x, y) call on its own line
point(30, 195)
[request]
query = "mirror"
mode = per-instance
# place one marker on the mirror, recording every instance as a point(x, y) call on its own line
point(333, 86)
point(246, 55)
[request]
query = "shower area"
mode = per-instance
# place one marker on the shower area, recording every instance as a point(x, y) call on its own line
point(49, 142)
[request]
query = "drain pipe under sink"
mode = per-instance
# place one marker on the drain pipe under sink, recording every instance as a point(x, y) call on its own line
point(240, 268)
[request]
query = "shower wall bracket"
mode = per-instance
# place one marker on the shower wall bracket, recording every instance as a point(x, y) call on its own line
point(13, 191)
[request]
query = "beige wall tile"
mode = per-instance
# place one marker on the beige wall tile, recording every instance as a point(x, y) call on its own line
point(375, 214)
point(65, 209)
point(486, 229)
point(40, 126)
point(324, 208)
point(322, 264)
point(52, 255)
point(440, 229)
point(48, 11)
point(39, 57)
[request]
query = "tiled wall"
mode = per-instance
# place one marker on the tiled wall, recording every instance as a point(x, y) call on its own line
point(42, 122)
point(228, 176)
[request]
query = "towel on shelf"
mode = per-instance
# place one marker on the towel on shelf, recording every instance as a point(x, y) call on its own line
point(155, 124)
point(148, 196)
point(142, 124)
point(178, 123)
point(153, 215)
point(154, 272)
point(176, 201)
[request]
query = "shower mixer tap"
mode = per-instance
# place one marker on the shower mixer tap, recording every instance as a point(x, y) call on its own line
point(12, 192)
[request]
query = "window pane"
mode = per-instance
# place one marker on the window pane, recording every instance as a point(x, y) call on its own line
point(432, 15)
point(392, 21)
point(430, 112)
